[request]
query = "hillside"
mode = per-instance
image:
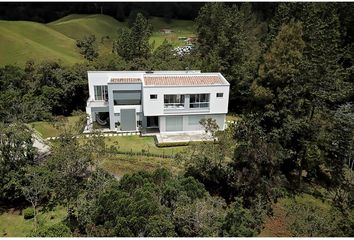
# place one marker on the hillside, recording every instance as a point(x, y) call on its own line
point(23, 40)
point(75, 26)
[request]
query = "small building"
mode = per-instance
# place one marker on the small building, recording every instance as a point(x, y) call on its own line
point(163, 101)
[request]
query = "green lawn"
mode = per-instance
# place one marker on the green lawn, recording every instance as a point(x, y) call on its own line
point(138, 144)
point(48, 129)
point(12, 223)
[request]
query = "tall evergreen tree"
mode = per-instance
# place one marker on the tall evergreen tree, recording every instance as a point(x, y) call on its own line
point(134, 42)
point(234, 49)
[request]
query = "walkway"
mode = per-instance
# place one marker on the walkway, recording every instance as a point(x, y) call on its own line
point(182, 137)
point(104, 134)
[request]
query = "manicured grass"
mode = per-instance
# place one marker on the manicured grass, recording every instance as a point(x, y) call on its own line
point(139, 144)
point(48, 129)
point(121, 164)
point(12, 223)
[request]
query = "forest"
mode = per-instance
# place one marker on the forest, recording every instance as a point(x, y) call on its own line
point(291, 70)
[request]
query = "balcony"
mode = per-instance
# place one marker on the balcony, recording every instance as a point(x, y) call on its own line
point(96, 103)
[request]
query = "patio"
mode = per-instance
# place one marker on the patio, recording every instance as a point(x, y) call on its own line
point(182, 137)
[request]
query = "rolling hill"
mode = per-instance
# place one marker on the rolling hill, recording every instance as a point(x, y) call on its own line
point(24, 40)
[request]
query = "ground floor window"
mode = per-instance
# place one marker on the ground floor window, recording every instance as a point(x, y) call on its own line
point(174, 123)
point(194, 120)
point(152, 122)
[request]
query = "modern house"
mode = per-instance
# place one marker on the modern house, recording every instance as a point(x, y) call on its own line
point(159, 101)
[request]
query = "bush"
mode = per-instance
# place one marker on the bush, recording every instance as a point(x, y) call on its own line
point(172, 144)
point(56, 230)
point(28, 213)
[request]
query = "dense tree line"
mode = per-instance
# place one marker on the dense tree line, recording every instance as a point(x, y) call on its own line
point(47, 12)
point(291, 76)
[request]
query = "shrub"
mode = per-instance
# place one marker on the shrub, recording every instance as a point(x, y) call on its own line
point(172, 144)
point(28, 213)
point(56, 230)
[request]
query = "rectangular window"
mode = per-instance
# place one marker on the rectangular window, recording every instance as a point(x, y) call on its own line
point(199, 101)
point(127, 97)
point(220, 95)
point(174, 123)
point(101, 92)
point(174, 101)
point(153, 96)
point(194, 120)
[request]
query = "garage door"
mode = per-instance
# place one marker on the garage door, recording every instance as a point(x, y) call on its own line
point(174, 123)
point(127, 119)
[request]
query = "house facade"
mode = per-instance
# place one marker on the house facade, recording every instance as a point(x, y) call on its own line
point(159, 101)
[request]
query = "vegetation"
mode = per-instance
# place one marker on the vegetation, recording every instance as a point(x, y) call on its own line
point(21, 41)
point(289, 154)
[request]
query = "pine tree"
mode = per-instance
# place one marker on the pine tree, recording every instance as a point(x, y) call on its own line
point(134, 42)
point(233, 49)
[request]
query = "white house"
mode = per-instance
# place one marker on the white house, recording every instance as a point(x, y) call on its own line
point(159, 101)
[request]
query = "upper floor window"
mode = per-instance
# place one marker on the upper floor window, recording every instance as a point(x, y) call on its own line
point(127, 97)
point(174, 101)
point(220, 95)
point(199, 101)
point(101, 92)
point(153, 96)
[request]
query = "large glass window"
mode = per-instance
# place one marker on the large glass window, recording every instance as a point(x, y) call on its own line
point(199, 101)
point(194, 120)
point(101, 92)
point(174, 123)
point(127, 97)
point(174, 101)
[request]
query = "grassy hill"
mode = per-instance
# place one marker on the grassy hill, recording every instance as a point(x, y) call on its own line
point(23, 40)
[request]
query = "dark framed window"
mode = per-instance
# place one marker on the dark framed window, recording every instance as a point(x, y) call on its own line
point(199, 101)
point(153, 96)
point(101, 92)
point(173, 101)
point(220, 95)
point(127, 97)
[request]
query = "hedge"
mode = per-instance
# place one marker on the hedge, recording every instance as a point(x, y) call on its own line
point(172, 144)
point(28, 213)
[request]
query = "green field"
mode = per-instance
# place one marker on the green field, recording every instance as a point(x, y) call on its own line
point(48, 129)
point(21, 41)
point(180, 28)
point(24, 40)
point(12, 223)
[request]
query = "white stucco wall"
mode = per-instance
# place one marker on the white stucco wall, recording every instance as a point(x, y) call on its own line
point(155, 107)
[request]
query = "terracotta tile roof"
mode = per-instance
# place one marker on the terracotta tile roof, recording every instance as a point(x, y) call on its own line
point(125, 80)
point(177, 80)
